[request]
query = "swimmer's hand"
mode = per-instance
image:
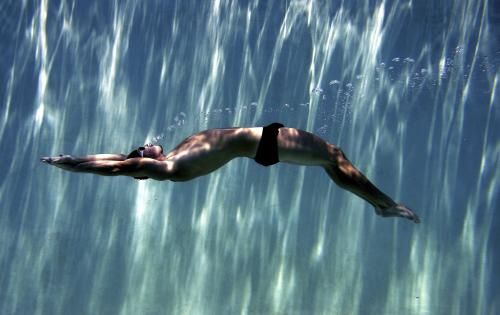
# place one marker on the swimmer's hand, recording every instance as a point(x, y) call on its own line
point(66, 162)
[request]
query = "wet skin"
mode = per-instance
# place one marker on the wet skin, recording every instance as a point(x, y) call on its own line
point(206, 151)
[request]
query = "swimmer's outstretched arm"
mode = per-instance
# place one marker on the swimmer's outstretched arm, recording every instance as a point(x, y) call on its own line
point(112, 165)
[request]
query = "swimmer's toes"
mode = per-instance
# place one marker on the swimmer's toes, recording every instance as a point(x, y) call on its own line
point(416, 219)
point(398, 211)
point(407, 213)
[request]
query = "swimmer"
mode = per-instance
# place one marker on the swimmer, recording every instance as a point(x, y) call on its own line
point(206, 151)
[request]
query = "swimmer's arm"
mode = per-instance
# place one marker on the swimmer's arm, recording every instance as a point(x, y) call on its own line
point(72, 160)
point(136, 167)
point(69, 162)
point(102, 157)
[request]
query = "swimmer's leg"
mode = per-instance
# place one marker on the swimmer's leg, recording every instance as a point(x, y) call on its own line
point(344, 174)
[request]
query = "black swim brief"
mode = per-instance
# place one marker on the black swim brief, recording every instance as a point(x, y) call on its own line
point(267, 151)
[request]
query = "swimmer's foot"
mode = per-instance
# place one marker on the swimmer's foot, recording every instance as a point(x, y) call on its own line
point(398, 211)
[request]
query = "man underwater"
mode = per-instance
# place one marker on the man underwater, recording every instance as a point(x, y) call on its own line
point(206, 151)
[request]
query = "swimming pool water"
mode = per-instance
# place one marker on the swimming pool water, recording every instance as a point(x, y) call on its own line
point(408, 89)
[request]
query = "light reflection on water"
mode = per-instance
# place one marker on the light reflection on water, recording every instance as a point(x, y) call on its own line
point(408, 90)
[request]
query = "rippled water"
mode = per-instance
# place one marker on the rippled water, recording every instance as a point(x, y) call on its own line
point(408, 89)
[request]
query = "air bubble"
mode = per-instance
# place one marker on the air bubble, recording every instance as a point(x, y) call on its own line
point(317, 90)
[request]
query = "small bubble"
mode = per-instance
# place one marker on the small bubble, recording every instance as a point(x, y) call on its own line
point(396, 59)
point(333, 82)
point(323, 129)
point(317, 90)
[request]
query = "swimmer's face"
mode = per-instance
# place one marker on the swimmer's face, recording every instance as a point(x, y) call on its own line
point(147, 151)
point(154, 149)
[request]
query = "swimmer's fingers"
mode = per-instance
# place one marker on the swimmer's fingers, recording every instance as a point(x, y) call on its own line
point(45, 159)
point(62, 161)
point(52, 159)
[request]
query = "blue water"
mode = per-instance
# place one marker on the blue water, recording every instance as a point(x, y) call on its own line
point(408, 89)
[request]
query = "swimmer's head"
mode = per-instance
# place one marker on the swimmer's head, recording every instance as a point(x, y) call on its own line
point(152, 151)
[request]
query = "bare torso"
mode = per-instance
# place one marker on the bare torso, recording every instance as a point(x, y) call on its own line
point(208, 150)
